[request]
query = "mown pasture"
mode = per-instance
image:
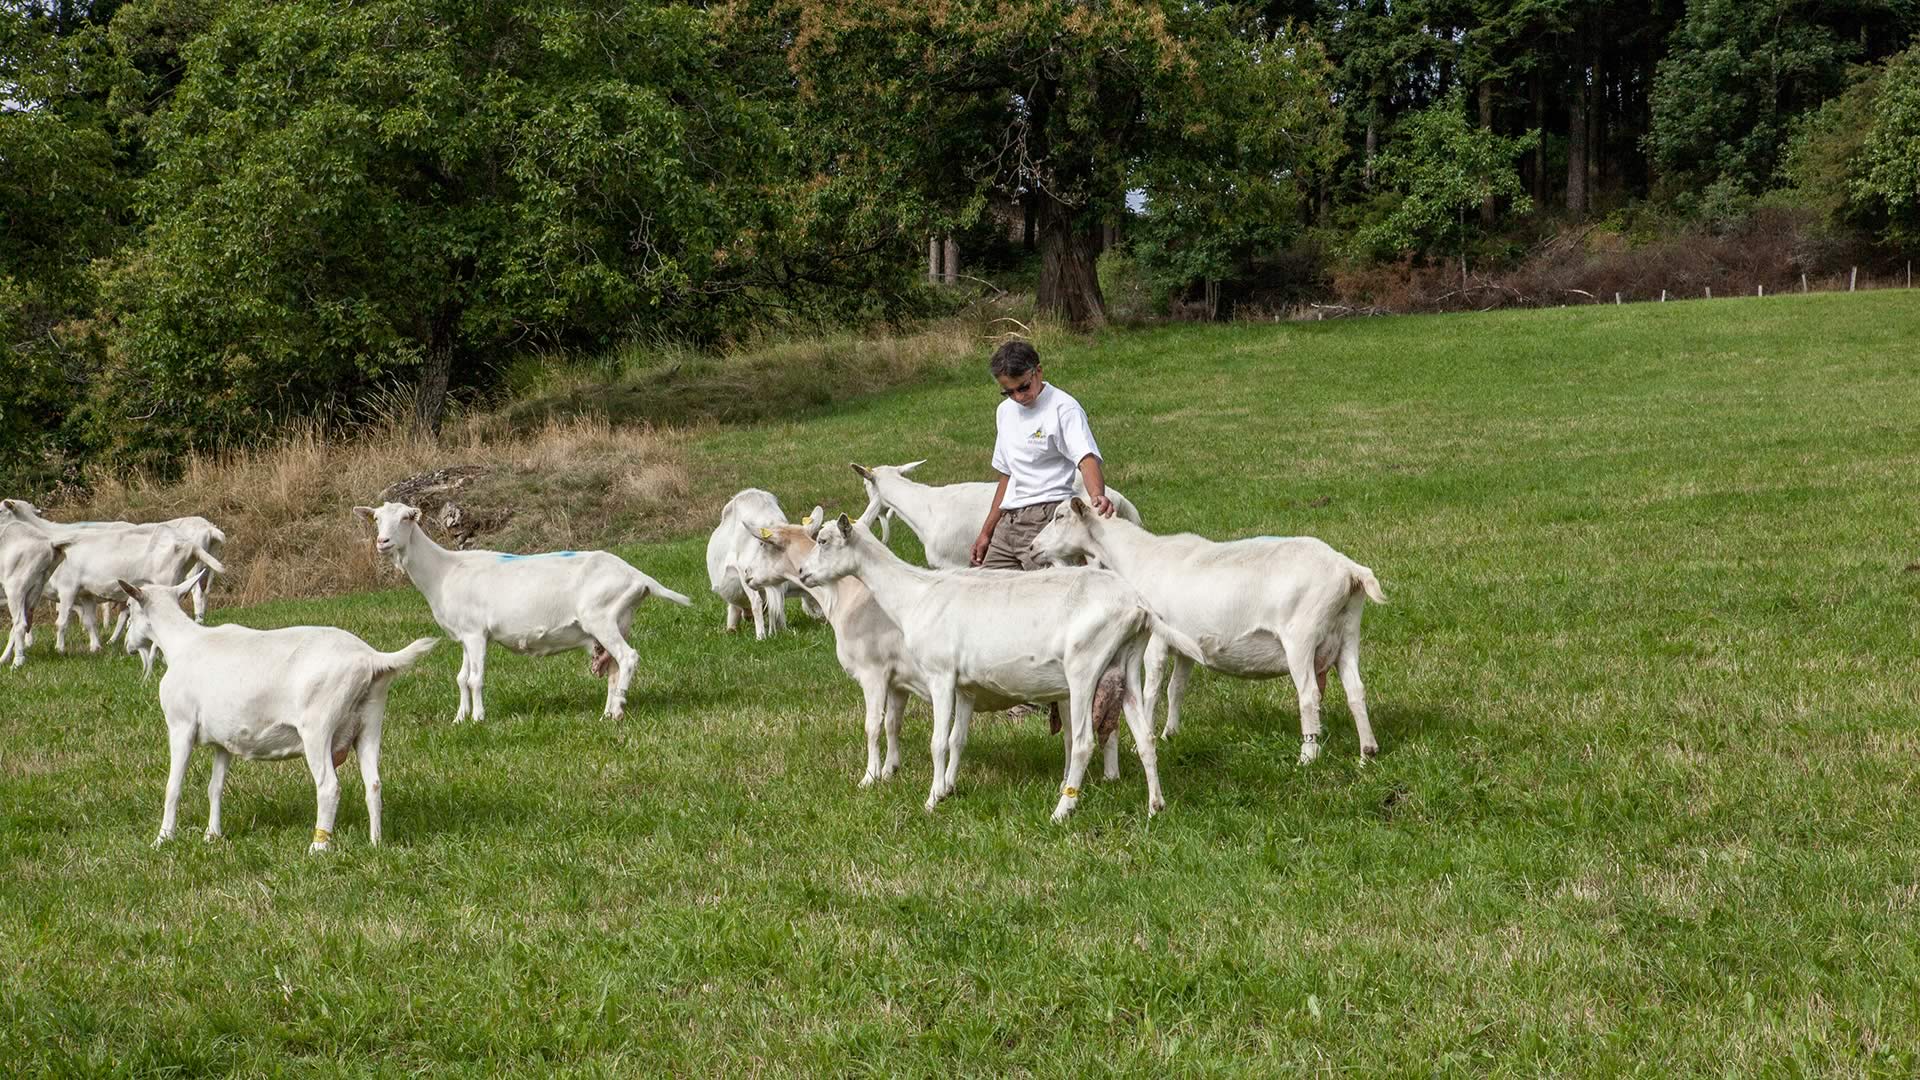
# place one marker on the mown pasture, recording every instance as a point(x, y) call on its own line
point(1646, 693)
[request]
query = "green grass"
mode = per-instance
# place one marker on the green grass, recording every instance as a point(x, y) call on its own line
point(1646, 694)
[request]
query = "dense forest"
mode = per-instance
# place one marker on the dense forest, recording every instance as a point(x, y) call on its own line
point(222, 215)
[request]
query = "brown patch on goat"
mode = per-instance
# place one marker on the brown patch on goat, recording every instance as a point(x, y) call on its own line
point(600, 662)
point(1109, 699)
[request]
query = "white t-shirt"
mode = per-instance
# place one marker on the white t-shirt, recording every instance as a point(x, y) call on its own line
point(1039, 447)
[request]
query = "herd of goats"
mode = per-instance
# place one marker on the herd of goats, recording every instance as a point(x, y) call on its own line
point(1116, 599)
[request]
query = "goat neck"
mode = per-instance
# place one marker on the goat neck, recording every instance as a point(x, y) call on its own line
point(424, 562)
point(911, 500)
point(169, 627)
point(896, 585)
point(1119, 544)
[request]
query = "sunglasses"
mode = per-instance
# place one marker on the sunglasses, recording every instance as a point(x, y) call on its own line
point(1022, 388)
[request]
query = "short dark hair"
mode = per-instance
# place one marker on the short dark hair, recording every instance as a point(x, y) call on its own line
point(1014, 359)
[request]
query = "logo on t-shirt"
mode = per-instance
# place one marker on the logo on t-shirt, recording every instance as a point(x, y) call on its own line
point(1038, 433)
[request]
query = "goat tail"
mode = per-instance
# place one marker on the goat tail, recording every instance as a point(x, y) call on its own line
point(1175, 639)
point(650, 587)
point(214, 534)
point(1363, 578)
point(206, 559)
point(393, 662)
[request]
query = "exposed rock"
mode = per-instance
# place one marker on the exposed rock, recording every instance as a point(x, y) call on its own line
point(463, 524)
point(429, 490)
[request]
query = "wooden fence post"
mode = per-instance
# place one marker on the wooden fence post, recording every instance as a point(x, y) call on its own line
point(1803, 282)
point(1616, 299)
point(1853, 276)
point(933, 260)
point(1663, 296)
point(953, 261)
point(1759, 290)
point(1709, 292)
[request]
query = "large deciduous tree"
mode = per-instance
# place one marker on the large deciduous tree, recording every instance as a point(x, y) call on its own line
point(347, 193)
point(1066, 105)
point(63, 204)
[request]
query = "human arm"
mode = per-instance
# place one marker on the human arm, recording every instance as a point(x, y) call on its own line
point(1096, 481)
point(981, 543)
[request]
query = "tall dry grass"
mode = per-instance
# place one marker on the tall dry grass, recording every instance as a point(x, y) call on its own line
point(589, 455)
point(286, 506)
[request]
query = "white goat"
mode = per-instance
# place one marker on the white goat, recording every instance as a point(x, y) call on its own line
point(732, 541)
point(1256, 608)
point(27, 559)
point(193, 529)
point(986, 636)
point(947, 518)
point(98, 558)
point(532, 604)
point(313, 691)
point(867, 643)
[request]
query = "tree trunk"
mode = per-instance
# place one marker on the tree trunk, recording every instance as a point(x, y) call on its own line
point(1069, 286)
point(1577, 138)
point(1373, 143)
point(933, 260)
point(1596, 130)
point(1540, 142)
point(430, 402)
point(953, 261)
point(1487, 208)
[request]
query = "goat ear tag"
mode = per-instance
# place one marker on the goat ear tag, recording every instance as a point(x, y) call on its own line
point(808, 520)
point(766, 534)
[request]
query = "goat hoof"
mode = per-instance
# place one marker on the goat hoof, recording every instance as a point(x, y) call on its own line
point(317, 847)
point(212, 836)
point(867, 780)
point(1110, 774)
point(1370, 750)
point(1061, 811)
point(161, 839)
point(1155, 805)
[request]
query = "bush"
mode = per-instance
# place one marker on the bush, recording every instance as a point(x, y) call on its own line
point(1131, 295)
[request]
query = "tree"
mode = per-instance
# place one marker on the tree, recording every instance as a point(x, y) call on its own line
point(1067, 105)
point(1737, 74)
point(1887, 183)
point(341, 194)
point(1443, 168)
point(63, 203)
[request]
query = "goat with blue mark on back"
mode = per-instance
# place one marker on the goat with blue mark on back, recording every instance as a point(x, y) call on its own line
point(532, 604)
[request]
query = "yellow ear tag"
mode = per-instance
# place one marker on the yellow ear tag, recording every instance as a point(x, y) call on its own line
point(1069, 792)
point(808, 520)
point(766, 534)
point(322, 836)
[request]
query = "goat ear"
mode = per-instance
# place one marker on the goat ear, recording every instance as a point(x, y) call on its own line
point(186, 586)
point(861, 471)
point(364, 511)
point(1079, 507)
point(911, 465)
point(130, 590)
point(411, 513)
point(846, 527)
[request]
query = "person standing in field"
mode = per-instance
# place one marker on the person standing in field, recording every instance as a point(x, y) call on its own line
point(1042, 438)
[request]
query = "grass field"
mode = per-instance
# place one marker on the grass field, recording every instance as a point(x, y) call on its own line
point(1646, 695)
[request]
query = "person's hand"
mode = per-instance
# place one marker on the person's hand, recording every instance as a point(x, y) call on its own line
point(1103, 504)
point(980, 546)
